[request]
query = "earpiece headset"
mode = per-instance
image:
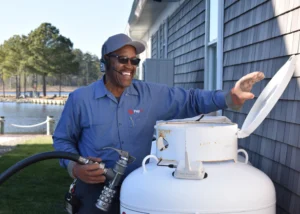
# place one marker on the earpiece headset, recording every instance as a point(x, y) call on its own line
point(102, 65)
point(102, 60)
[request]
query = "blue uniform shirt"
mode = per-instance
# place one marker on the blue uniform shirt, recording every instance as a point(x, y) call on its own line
point(93, 118)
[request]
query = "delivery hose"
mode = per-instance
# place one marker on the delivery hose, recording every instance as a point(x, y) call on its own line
point(39, 157)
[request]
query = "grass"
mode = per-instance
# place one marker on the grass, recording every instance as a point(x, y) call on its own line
point(38, 188)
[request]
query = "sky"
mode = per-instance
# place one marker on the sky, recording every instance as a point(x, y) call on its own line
point(88, 23)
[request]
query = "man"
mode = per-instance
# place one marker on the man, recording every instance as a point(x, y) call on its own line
point(120, 112)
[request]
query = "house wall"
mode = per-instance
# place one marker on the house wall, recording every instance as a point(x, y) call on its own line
point(150, 34)
point(260, 35)
point(184, 36)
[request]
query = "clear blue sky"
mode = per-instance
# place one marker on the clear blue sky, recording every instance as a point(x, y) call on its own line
point(87, 23)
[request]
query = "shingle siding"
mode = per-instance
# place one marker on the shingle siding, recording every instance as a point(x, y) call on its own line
point(261, 35)
point(228, 3)
point(185, 43)
point(154, 44)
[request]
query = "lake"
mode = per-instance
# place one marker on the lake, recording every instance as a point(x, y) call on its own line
point(49, 93)
point(28, 114)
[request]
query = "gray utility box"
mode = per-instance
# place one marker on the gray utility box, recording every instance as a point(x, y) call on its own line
point(159, 71)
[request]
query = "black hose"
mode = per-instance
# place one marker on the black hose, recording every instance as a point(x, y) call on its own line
point(36, 158)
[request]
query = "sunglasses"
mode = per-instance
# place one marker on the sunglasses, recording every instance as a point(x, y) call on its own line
point(124, 59)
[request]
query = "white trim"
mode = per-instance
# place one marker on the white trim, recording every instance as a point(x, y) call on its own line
point(219, 83)
point(213, 42)
point(206, 40)
point(166, 37)
point(220, 45)
point(208, 52)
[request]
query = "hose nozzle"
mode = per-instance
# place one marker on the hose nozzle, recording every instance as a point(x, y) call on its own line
point(114, 176)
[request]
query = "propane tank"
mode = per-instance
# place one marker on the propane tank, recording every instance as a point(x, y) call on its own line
point(182, 183)
point(228, 188)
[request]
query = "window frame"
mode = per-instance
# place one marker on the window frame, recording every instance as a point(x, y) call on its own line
point(209, 82)
point(209, 45)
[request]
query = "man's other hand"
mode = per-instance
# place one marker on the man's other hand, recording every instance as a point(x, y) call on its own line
point(242, 89)
point(90, 173)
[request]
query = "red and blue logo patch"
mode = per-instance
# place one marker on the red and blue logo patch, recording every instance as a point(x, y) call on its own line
point(135, 111)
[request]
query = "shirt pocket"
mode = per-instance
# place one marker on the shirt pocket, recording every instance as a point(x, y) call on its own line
point(136, 124)
point(101, 135)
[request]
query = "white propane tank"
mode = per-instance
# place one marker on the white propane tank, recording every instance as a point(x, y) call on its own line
point(196, 169)
point(229, 188)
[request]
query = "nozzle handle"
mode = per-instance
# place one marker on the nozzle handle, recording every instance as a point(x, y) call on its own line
point(123, 154)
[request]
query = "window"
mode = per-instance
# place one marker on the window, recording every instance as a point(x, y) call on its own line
point(213, 20)
point(213, 69)
point(214, 44)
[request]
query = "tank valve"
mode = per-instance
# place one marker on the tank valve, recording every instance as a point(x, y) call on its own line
point(193, 171)
point(114, 177)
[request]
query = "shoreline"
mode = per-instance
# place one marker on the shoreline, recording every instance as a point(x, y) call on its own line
point(49, 89)
point(10, 97)
point(42, 100)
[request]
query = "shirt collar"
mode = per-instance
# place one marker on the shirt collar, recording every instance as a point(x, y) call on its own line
point(131, 89)
point(100, 90)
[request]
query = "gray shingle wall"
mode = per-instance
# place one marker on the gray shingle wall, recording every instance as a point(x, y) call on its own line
point(261, 35)
point(185, 43)
point(228, 3)
point(239, 8)
point(154, 44)
point(259, 12)
point(186, 31)
point(162, 41)
point(190, 85)
point(189, 77)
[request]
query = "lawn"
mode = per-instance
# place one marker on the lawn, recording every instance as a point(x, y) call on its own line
point(38, 188)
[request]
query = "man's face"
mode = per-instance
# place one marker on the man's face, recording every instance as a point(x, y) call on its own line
point(120, 75)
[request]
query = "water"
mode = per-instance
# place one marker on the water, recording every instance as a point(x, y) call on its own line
point(49, 93)
point(28, 114)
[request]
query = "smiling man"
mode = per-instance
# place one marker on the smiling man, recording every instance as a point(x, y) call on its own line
point(119, 56)
point(118, 111)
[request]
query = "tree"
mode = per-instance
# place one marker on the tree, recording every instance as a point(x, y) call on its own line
point(45, 44)
point(89, 67)
point(46, 52)
point(16, 59)
point(95, 69)
point(87, 58)
point(79, 55)
point(64, 59)
point(2, 58)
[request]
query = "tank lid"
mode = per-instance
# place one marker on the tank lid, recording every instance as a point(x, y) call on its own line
point(222, 120)
point(268, 98)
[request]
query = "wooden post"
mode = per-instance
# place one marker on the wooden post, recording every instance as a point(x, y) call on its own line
point(50, 125)
point(2, 120)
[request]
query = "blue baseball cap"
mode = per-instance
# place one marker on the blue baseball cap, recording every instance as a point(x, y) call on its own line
point(118, 41)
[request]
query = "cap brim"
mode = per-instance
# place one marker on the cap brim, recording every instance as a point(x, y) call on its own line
point(139, 47)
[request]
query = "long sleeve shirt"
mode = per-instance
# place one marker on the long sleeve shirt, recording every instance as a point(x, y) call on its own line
point(93, 118)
